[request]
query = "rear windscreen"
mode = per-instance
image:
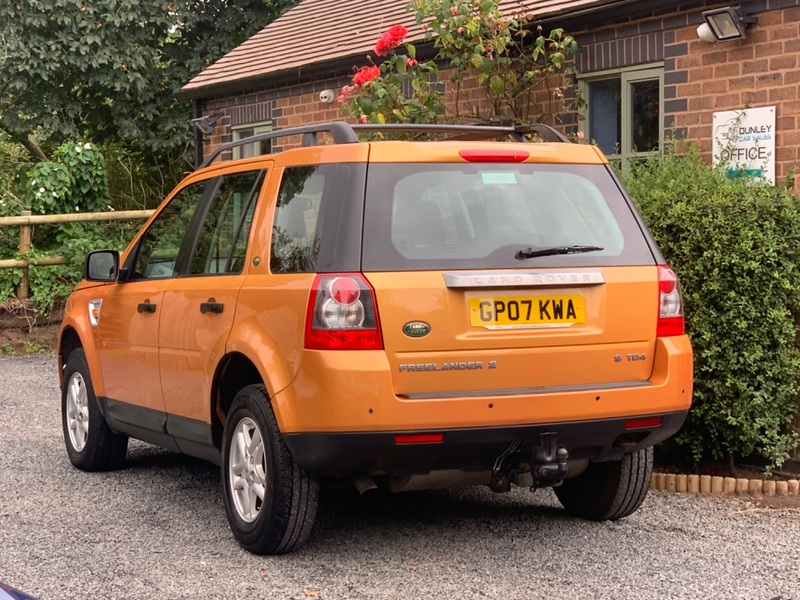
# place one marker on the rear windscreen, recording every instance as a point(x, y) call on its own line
point(464, 216)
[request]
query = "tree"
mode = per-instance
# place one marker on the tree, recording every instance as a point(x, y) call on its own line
point(109, 69)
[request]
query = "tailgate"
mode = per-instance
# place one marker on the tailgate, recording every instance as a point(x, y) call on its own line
point(517, 331)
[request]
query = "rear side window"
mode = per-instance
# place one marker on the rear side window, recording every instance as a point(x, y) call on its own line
point(318, 219)
point(446, 216)
point(293, 233)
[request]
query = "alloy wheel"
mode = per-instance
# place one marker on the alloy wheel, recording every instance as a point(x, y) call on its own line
point(247, 470)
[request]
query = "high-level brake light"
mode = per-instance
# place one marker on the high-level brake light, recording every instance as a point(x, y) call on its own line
point(497, 155)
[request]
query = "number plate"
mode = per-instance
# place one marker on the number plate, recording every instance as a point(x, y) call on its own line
point(526, 311)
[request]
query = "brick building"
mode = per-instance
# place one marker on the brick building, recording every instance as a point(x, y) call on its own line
point(646, 74)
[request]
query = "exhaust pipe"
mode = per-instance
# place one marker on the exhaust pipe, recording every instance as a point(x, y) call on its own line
point(364, 484)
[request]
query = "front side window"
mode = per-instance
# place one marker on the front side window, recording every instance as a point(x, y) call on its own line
point(159, 251)
point(624, 113)
point(222, 240)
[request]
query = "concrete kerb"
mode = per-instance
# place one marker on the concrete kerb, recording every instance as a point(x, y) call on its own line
point(723, 486)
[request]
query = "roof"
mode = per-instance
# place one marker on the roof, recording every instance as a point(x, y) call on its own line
point(316, 32)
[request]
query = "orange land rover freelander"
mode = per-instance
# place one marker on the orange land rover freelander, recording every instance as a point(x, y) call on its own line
point(403, 314)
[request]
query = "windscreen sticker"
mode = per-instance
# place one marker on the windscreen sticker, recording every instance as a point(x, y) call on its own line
point(499, 178)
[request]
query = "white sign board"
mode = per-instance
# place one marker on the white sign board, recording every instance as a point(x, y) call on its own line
point(744, 142)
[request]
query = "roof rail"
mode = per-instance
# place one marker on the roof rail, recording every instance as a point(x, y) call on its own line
point(470, 132)
point(345, 133)
point(341, 132)
point(546, 132)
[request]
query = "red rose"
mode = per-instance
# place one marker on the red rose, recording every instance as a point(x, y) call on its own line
point(398, 32)
point(410, 62)
point(390, 40)
point(365, 74)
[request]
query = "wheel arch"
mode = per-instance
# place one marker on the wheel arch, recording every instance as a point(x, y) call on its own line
point(235, 371)
point(73, 335)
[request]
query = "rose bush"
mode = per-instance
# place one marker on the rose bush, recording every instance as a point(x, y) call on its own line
point(509, 61)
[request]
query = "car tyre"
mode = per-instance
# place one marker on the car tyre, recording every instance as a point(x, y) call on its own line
point(91, 445)
point(608, 490)
point(270, 501)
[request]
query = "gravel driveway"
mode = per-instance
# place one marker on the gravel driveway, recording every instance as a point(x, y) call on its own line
point(157, 529)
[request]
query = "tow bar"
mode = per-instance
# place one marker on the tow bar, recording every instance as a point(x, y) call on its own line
point(549, 462)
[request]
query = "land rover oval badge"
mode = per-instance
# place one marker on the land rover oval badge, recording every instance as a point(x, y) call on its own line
point(416, 329)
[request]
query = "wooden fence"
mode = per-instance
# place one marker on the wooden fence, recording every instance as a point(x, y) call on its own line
point(26, 222)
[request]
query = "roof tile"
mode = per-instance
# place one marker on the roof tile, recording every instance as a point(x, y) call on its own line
point(318, 31)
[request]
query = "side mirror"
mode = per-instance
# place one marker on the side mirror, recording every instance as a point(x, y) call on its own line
point(101, 265)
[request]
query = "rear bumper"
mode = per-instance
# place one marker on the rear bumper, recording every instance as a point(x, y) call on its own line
point(473, 449)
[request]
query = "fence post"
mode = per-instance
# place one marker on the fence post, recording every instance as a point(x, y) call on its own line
point(24, 246)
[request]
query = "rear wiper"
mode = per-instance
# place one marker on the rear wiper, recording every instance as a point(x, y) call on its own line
point(531, 253)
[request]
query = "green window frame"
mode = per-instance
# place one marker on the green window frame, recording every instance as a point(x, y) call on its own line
point(632, 100)
point(256, 148)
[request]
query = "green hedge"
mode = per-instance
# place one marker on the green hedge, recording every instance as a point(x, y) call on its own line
point(735, 245)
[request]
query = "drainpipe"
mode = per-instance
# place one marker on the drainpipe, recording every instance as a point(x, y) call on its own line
point(198, 135)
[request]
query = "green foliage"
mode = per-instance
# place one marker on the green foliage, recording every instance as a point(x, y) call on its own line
point(32, 347)
point(109, 69)
point(472, 38)
point(74, 182)
point(735, 244)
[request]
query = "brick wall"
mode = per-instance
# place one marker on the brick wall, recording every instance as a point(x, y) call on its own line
point(761, 70)
point(299, 105)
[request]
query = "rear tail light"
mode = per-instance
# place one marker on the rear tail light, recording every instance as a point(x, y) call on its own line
point(342, 314)
point(670, 312)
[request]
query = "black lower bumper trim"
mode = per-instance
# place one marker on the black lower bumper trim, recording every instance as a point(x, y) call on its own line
point(475, 449)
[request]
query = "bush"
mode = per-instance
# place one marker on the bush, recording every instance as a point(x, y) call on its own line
point(75, 181)
point(735, 244)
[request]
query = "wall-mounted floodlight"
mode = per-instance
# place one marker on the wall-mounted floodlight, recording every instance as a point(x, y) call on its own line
point(206, 123)
point(725, 24)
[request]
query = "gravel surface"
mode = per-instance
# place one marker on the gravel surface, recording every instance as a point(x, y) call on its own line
point(157, 529)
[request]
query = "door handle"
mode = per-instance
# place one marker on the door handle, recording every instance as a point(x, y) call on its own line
point(146, 307)
point(212, 307)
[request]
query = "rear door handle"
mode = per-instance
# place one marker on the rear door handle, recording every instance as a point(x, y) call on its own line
point(146, 307)
point(212, 307)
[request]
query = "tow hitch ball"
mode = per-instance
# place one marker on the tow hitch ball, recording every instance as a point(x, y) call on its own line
point(549, 461)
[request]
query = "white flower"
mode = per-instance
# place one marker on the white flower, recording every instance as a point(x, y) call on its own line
point(33, 182)
point(41, 190)
point(55, 195)
point(87, 146)
point(77, 209)
point(109, 207)
point(38, 194)
point(78, 149)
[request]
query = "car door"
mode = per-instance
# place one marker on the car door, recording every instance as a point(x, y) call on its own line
point(132, 312)
point(198, 308)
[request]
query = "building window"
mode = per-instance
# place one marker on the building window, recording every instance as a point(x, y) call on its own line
point(624, 111)
point(256, 148)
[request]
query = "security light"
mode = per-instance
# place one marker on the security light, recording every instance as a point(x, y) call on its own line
point(728, 23)
point(206, 123)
